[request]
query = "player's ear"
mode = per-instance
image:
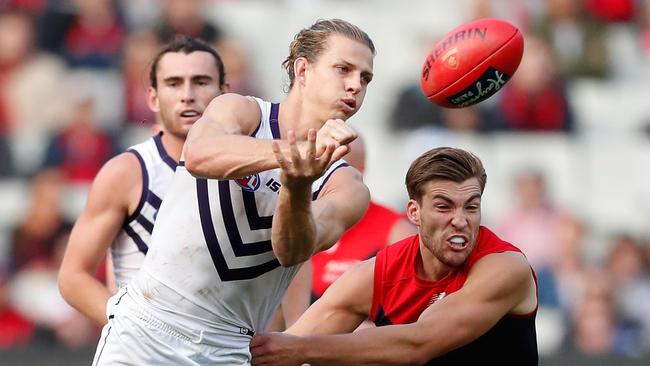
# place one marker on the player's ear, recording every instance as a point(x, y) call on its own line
point(152, 100)
point(225, 88)
point(299, 69)
point(413, 212)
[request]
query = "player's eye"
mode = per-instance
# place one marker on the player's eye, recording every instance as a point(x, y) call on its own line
point(202, 81)
point(343, 69)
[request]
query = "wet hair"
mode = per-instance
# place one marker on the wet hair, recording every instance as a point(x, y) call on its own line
point(443, 163)
point(311, 42)
point(186, 45)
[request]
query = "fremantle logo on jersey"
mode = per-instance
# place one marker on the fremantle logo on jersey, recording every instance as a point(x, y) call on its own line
point(250, 183)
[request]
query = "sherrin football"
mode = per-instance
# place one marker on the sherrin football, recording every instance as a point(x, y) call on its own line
point(471, 62)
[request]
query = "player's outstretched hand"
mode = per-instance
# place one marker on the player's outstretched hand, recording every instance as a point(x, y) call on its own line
point(301, 166)
point(275, 349)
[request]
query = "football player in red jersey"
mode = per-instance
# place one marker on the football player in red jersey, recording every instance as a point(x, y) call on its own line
point(454, 294)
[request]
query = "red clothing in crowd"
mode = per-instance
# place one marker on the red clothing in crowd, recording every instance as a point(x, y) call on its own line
point(360, 242)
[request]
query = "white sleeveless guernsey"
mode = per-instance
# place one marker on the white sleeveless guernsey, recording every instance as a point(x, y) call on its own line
point(132, 243)
point(210, 276)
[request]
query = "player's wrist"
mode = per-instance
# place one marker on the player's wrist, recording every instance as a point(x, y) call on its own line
point(309, 349)
point(297, 187)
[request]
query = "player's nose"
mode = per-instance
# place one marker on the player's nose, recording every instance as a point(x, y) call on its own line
point(188, 94)
point(353, 84)
point(459, 220)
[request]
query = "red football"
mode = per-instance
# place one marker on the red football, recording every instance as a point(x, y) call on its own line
point(472, 62)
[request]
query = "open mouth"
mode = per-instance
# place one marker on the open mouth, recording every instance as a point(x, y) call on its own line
point(190, 114)
point(458, 242)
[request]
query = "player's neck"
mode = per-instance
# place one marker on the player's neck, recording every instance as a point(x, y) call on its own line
point(173, 145)
point(298, 115)
point(429, 268)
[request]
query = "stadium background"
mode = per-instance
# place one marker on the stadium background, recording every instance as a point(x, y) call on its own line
point(572, 188)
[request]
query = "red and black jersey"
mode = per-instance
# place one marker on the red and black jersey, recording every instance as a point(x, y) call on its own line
point(399, 297)
point(360, 242)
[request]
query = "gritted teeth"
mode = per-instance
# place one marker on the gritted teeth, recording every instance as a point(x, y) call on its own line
point(457, 240)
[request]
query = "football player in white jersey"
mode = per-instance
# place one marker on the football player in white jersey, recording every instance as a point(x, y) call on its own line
point(126, 194)
point(259, 189)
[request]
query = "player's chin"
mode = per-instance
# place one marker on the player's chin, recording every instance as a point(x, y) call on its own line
point(182, 129)
point(188, 121)
point(344, 114)
point(456, 259)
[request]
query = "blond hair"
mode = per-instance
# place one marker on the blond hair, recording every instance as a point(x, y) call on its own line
point(311, 42)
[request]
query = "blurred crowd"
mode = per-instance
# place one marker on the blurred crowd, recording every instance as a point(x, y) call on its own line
point(73, 87)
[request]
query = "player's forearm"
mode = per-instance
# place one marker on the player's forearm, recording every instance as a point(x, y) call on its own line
point(441, 328)
point(228, 157)
point(86, 294)
point(319, 319)
point(376, 346)
point(294, 230)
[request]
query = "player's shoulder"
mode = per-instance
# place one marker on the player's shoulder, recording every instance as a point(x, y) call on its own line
point(121, 170)
point(363, 266)
point(361, 273)
point(506, 275)
point(512, 264)
point(117, 182)
point(344, 178)
point(235, 103)
point(244, 109)
point(348, 173)
point(234, 99)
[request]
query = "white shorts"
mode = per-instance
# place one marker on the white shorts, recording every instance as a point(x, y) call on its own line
point(133, 336)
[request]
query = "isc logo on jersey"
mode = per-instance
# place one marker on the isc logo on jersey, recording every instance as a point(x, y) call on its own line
point(250, 183)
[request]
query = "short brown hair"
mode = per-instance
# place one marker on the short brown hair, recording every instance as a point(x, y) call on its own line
point(310, 42)
point(186, 45)
point(443, 163)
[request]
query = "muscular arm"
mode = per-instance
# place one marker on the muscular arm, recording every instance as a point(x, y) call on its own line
point(113, 190)
point(342, 203)
point(302, 228)
point(344, 305)
point(218, 145)
point(497, 285)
